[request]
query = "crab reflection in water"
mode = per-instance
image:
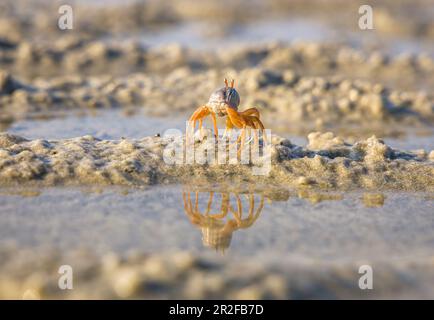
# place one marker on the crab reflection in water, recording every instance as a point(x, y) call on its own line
point(217, 228)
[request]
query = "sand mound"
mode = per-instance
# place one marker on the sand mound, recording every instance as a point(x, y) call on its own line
point(327, 162)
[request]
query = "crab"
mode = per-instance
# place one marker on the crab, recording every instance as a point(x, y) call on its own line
point(216, 232)
point(224, 102)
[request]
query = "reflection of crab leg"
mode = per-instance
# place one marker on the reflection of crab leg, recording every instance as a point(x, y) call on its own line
point(208, 208)
point(190, 205)
point(229, 227)
point(200, 126)
point(224, 208)
point(239, 213)
point(250, 124)
point(252, 117)
point(215, 231)
point(194, 216)
point(245, 223)
point(186, 206)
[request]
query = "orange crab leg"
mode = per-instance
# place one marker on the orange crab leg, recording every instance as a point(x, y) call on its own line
point(211, 195)
point(254, 116)
point(238, 214)
point(256, 123)
point(252, 205)
point(214, 122)
point(259, 126)
point(229, 127)
point(251, 112)
point(200, 114)
point(238, 121)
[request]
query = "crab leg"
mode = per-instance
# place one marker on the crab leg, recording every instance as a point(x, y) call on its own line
point(253, 115)
point(194, 217)
point(229, 127)
point(257, 124)
point(238, 214)
point(251, 112)
point(252, 205)
point(261, 206)
point(238, 121)
point(200, 114)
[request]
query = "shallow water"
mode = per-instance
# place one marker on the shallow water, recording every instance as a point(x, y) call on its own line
point(113, 124)
point(205, 36)
point(211, 37)
point(110, 124)
point(300, 225)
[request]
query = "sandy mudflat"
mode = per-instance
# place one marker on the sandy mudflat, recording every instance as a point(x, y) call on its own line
point(128, 242)
point(83, 181)
point(327, 162)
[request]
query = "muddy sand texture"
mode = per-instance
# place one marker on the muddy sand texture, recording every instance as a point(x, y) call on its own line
point(278, 94)
point(72, 54)
point(326, 162)
point(24, 18)
point(182, 275)
point(103, 64)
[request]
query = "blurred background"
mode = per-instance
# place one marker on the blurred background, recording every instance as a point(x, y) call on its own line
point(306, 64)
point(310, 60)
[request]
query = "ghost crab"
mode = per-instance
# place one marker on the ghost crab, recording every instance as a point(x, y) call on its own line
point(216, 230)
point(224, 102)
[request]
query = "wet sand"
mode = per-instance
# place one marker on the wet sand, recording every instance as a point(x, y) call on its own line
point(83, 181)
point(327, 162)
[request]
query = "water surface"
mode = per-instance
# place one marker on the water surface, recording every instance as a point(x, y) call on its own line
point(292, 225)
